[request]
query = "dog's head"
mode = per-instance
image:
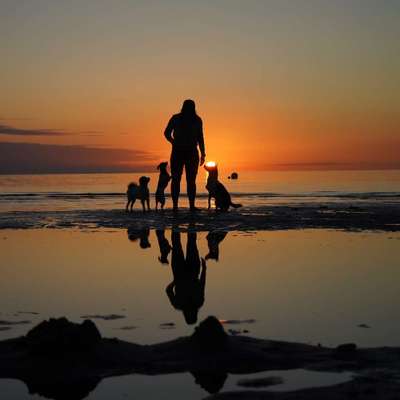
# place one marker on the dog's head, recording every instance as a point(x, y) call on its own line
point(162, 166)
point(144, 181)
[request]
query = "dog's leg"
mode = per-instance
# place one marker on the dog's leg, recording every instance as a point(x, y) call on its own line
point(148, 203)
point(127, 205)
point(209, 201)
point(143, 205)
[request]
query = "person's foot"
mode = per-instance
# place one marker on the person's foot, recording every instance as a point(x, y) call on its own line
point(175, 209)
point(194, 209)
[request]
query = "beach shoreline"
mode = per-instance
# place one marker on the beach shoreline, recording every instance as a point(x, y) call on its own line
point(368, 216)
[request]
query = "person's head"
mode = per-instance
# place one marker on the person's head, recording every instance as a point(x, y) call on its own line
point(190, 315)
point(188, 108)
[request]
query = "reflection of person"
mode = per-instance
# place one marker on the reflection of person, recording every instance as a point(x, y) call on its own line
point(142, 235)
point(185, 132)
point(186, 291)
point(213, 240)
point(164, 246)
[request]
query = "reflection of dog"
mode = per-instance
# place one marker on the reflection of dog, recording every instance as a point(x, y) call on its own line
point(213, 240)
point(217, 190)
point(164, 246)
point(163, 180)
point(141, 234)
point(139, 192)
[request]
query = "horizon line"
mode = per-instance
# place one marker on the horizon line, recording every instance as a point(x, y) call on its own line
point(151, 170)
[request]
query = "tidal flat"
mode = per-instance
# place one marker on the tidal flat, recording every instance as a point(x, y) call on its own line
point(322, 287)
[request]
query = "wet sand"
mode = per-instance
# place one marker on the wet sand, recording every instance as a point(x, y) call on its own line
point(245, 355)
point(373, 216)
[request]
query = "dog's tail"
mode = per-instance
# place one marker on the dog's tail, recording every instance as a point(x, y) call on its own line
point(236, 205)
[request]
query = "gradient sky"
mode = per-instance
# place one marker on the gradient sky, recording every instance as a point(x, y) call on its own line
point(279, 84)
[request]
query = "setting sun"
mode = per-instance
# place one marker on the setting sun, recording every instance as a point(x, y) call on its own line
point(211, 164)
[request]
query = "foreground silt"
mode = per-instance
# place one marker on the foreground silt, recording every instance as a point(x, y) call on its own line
point(59, 359)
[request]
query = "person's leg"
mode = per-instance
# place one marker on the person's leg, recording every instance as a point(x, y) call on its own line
point(176, 172)
point(191, 168)
point(178, 258)
point(192, 255)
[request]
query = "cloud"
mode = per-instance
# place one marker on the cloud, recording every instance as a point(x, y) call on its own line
point(10, 130)
point(30, 158)
point(13, 131)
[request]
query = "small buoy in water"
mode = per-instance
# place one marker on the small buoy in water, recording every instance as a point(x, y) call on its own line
point(233, 175)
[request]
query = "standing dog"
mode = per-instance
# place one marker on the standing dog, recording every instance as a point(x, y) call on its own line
point(217, 190)
point(163, 180)
point(142, 192)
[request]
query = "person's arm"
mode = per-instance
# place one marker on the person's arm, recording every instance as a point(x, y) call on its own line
point(170, 293)
point(169, 129)
point(200, 141)
point(203, 274)
point(203, 281)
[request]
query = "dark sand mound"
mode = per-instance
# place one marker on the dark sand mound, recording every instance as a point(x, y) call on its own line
point(63, 360)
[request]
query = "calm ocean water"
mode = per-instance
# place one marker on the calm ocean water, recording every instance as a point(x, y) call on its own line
point(85, 191)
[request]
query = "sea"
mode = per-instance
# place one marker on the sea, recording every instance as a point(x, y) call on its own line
point(108, 191)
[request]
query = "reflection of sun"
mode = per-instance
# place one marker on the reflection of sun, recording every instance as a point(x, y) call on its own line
point(211, 164)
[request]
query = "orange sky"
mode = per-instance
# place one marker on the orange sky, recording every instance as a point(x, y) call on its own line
point(279, 85)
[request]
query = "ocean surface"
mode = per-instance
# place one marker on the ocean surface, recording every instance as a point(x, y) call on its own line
point(105, 191)
point(311, 286)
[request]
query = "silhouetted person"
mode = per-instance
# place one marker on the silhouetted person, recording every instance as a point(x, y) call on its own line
point(185, 132)
point(213, 241)
point(164, 246)
point(186, 291)
point(142, 235)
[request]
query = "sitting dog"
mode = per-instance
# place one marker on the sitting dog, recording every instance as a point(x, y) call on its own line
point(140, 191)
point(163, 180)
point(217, 190)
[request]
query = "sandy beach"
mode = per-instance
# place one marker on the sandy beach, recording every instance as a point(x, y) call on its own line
point(369, 215)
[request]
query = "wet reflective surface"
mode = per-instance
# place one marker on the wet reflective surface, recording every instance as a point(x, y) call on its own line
point(146, 286)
